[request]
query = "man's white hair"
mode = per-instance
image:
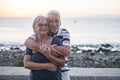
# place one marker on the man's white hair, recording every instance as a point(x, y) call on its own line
point(53, 12)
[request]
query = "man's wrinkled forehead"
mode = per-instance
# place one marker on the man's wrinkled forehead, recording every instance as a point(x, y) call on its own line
point(53, 15)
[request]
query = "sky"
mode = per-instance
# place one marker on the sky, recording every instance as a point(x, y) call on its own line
point(67, 8)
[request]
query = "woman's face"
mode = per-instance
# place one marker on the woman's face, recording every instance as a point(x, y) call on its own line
point(41, 27)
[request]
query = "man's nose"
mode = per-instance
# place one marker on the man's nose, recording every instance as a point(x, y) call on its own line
point(54, 23)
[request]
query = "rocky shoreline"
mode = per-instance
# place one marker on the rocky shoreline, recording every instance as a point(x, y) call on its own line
point(97, 56)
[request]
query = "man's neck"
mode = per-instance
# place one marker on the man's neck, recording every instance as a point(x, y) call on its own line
point(52, 34)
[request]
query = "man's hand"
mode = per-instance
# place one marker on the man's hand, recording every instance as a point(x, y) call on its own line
point(45, 49)
point(51, 67)
point(54, 52)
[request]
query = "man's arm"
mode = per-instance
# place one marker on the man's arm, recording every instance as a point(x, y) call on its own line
point(51, 55)
point(63, 50)
point(60, 51)
point(64, 35)
point(32, 44)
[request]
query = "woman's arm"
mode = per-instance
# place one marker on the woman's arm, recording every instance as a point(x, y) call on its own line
point(56, 61)
point(37, 66)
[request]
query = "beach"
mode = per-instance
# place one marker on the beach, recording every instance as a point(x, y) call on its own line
point(82, 56)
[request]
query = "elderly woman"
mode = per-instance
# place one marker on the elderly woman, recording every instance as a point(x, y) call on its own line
point(44, 65)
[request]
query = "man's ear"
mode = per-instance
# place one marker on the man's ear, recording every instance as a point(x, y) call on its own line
point(60, 22)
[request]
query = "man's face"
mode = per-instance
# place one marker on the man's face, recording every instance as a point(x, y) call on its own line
point(54, 23)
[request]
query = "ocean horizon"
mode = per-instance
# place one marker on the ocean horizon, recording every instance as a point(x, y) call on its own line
point(89, 30)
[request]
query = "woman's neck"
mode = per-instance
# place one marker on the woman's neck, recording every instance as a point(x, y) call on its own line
point(42, 38)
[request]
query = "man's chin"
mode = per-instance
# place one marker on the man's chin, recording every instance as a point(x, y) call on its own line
point(53, 32)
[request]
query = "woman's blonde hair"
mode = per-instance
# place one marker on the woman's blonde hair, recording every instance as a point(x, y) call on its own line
point(37, 19)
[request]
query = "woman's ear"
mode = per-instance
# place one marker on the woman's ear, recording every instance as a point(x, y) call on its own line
point(34, 29)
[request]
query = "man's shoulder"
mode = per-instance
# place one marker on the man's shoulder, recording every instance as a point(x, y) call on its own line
point(63, 31)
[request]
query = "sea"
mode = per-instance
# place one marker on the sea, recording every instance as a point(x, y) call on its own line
point(83, 30)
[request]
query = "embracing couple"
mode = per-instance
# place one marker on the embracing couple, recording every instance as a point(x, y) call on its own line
point(47, 49)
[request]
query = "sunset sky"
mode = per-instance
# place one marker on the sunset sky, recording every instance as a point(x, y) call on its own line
point(67, 8)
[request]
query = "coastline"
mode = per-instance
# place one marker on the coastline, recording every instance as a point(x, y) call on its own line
point(84, 55)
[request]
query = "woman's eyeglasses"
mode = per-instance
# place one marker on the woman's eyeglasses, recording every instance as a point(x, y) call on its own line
point(41, 25)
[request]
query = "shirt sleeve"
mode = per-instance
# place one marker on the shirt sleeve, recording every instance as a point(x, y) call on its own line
point(66, 37)
point(34, 36)
point(57, 41)
point(28, 51)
